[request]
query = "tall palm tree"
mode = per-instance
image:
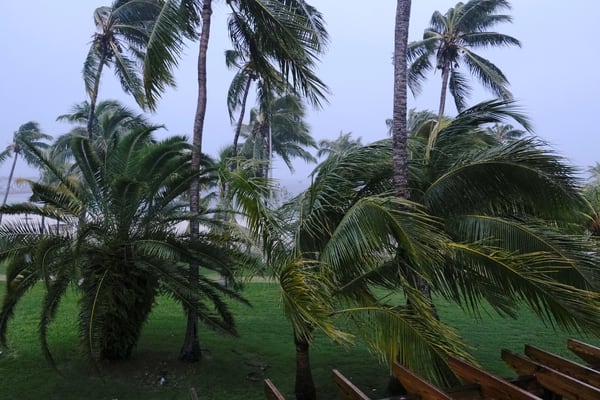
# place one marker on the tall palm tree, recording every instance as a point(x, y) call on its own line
point(343, 142)
point(285, 134)
point(505, 132)
point(273, 24)
point(127, 249)
point(124, 32)
point(449, 42)
point(257, 62)
point(28, 134)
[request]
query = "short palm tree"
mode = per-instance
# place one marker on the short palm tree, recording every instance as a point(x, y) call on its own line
point(450, 41)
point(112, 119)
point(27, 134)
point(127, 249)
point(486, 223)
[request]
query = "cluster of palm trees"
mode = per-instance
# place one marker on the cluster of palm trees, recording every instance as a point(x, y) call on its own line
point(472, 209)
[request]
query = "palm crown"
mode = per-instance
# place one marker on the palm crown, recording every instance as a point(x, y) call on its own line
point(449, 42)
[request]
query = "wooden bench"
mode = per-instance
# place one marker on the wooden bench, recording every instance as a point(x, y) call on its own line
point(490, 385)
point(567, 367)
point(590, 354)
point(551, 379)
point(347, 389)
point(271, 392)
point(415, 385)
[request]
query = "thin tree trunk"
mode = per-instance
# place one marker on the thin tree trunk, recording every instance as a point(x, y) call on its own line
point(445, 78)
point(190, 350)
point(10, 177)
point(305, 385)
point(238, 127)
point(94, 98)
point(399, 123)
point(399, 128)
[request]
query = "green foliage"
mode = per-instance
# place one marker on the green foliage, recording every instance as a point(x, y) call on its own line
point(124, 244)
point(488, 223)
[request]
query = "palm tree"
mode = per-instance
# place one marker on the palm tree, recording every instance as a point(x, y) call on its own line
point(27, 134)
point(124, 32)
point(505, 132)
point(449, 42)
point(284, 133)
point(343, 143)
point(486, 223)
point(257, 62)
point(111, 120)
point(127, 249)
point(287, 28)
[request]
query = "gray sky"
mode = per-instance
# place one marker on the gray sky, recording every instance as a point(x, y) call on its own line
point(553, 76)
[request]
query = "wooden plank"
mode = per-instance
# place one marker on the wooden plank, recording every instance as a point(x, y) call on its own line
point(414, 384)
point(346, 389)
point(491, 386)
point(585, 351)
point(271, 392)
point(551, 379)
point(567, 367)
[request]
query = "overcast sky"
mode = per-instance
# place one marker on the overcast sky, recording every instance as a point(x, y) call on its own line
point(554, 76)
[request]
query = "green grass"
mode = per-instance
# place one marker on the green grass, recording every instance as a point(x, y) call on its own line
point(232, 368)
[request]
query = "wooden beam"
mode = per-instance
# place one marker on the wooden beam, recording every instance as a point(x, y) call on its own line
point(491, 386)
point(346, 389)
point(271, 392)
point(414, 384)
point(590, 354)
point(551, 379)
point(567, 367)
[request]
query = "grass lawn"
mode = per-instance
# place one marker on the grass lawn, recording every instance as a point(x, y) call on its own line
point(232, 368)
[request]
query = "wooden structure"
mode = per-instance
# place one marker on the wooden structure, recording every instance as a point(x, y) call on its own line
point(539, 375)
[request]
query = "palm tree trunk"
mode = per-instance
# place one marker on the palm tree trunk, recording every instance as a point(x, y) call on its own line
point(445, 78)
point(399, 123)
point(238, 127)
point(94, 98)
point(10, 177)
point(190, 350)
point(399, 128)
point(305, 385)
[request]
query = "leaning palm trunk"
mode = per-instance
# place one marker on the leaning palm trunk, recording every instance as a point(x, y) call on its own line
point(445, 78)
point(190, 350)
point(94, 97)
point(238, 127)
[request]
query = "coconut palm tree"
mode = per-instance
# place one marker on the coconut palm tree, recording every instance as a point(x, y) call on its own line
point(28, 133)
point(343, 142)
point(487, 222)
point(505, 132)
point(273, 24)
point(127, 249)
point(123, 34)
point(450, 41)
point(283, 132)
